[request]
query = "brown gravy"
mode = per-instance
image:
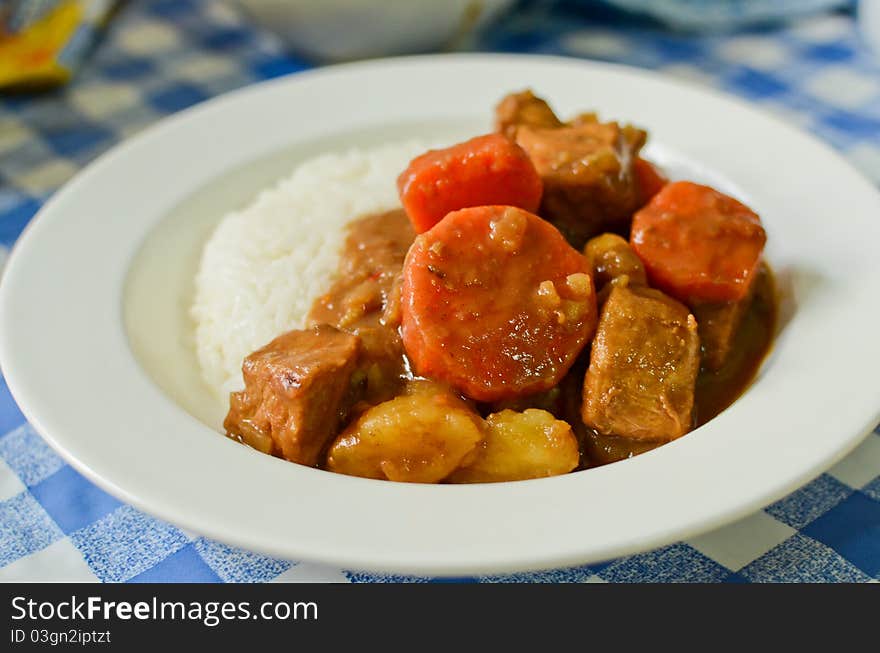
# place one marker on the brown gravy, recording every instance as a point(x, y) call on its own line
point(364, 300)
point(369, 264)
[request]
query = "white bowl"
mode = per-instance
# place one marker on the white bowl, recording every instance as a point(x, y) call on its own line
point(125, 405)
point(335, 30)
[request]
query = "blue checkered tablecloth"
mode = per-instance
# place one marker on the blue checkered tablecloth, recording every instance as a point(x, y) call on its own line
point(161, 56)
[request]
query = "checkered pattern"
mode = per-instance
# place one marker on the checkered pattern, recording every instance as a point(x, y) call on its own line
point(162, 56)
point(815, 73)
point(156, 58)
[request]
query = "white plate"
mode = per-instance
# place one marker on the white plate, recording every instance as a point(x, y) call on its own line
point(68, 361)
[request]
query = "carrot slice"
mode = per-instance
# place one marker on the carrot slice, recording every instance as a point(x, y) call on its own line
point(488, 169)
point(649, 179)
point(697, 244)
point(495, 303)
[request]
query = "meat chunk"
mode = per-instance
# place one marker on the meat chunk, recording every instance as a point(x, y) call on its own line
point(523, 108)
point(643, 367)
point(589, 181)
point(718, 323)
point(738, 336)
point(419, 437)
point(519, 446)
point(297, 390)
point(592, 179)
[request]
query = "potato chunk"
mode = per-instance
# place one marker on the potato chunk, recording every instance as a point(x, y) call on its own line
point(610, 257)
point(518, 446)
point(419, 437)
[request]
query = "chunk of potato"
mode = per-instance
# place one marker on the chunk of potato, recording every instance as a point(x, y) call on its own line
point(611, 256)
point(419, 437)
point(518, 446)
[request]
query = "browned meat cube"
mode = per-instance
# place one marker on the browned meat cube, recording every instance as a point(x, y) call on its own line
point(643, 367)
point(718, 324)
point(297, 389)
point(523, 108)
point(589, 182)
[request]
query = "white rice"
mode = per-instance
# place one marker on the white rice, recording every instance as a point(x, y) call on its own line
point(264, 265)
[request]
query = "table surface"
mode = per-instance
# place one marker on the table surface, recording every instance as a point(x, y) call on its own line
point(159, 57)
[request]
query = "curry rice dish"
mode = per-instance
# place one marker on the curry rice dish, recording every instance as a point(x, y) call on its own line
point(541, 300)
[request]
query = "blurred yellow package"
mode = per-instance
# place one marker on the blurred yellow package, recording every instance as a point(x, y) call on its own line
point(42, 41)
